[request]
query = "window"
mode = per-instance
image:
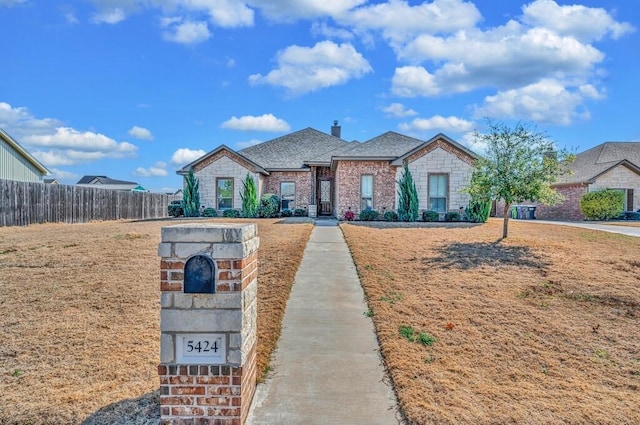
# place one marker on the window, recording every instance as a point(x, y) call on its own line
point(287, 195)
point(225, 193)
point(438, 190)
point(628, 199)
point(366, 192)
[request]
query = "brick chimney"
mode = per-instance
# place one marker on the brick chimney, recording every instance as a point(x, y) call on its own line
point(335, 129)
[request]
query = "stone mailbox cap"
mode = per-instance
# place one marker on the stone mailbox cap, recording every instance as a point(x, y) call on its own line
point(209, 233)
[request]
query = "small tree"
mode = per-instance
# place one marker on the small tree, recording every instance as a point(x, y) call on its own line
point(520, 164)
point(407, 196)
point(250, 202)
point(191, 196)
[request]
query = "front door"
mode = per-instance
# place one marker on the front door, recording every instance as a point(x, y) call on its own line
point(324, 198)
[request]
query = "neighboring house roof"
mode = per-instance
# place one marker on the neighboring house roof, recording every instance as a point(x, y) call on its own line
point(22, 152)
point(51, 181)
point(590, 164)
point(291, 151)
point(103, 180)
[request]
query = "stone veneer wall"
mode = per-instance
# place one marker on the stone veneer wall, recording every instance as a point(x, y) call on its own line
point(302, 179)
point(436, 158)
point(347, 185)
point(619, 177)
point(223, 164)
point(209, 394)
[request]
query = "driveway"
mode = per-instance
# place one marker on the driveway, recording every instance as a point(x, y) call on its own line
point(624, 230)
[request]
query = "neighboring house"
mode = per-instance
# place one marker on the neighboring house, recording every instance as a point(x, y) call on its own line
point(326, 175)
point(104, 182)
point(611, 165)
point(51, 181)
point(18, 164)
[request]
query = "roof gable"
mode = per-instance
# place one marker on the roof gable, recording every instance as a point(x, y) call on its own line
point(592, 163)
point(438, 141)
point(22, 152)
point(215, 154)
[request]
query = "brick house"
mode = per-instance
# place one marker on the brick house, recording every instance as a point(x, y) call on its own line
point(327, 175)
point(610, 165)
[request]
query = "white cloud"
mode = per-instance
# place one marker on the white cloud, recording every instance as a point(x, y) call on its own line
point(140, 133)
point(108, 16)
point(159, 169)
point(397, 20)
point(248, 143)
point(305, 69)
point(321, 29)
point(222, 13)
point(410, 81)
point(266, 122)
point(582, 22)
point(185, 155)
point(398, 110)
point(63, 175)
point(290, 10)
point(548, 101)
point(71, 18)
point(187, 32)
point(54, 144)
point(437, 122)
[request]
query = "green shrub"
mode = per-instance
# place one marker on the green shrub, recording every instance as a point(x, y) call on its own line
point(191, 196)
point(631, 215)
point(390, 216)
point(426, 339)
point(269, 205)
point(249, 197)
point(209, 212)
point(286, 213)
point(430, 216)
point(174, 209)
point(299, 212)
point(369, 215)
point(602, 204)
point(452, 216)
point(407, 196)
point(231, 213)
point(478, 211)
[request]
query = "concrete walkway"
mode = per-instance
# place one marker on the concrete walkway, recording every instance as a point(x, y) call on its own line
point(624, 230)
point(326, 369)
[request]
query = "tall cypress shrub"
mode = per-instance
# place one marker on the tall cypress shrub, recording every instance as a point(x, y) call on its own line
point(191, 196)
point(408, 196)
point(249, 197)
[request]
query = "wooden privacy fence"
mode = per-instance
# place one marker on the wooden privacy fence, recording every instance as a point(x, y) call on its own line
point(24, 203)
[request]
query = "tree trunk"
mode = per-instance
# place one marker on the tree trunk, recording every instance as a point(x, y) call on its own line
point(505, 222)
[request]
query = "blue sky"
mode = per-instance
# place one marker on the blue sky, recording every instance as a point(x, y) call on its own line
point(135, 89)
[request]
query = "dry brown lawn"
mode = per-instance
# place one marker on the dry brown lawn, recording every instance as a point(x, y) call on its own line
point(543, 327)
point(79, 328)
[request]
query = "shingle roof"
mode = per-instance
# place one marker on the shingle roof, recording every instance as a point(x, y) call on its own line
point(103, 180)
point(292, 150)
point(388, 145)
point(591, 163)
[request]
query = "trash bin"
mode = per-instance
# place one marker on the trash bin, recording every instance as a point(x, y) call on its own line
point(513, 211)
point(532, 212)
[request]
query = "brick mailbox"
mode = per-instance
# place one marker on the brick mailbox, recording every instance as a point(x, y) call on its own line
point(208, 279)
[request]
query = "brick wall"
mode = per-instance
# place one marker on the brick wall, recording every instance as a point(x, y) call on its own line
point(569, 209)
point(209, 393)
point(347, 181)
point(222, 164)
point(442, 158)
point(302, 179)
